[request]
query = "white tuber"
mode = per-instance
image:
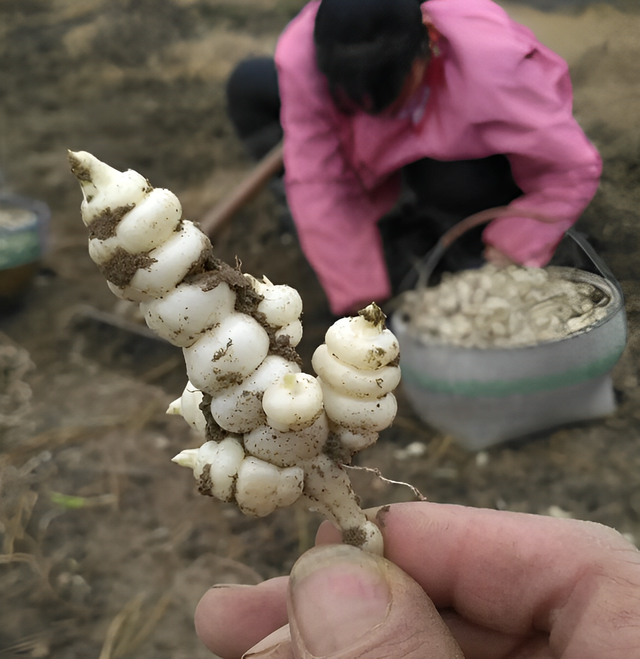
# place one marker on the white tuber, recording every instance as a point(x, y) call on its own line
point(150, 223)
point(354, 440)
point(185, 312)
point(107, 188)
point(357, 370)
point(289, 447)
point(359, 413)
point(171, 261)
point(272, 435)
point(362, 343)
point(216, 465)
point(293, 403)
point(239, 408)
point(223, 469)
point(292, 332)
point(361, 383)
point(102, 251)
point(226, 354)
point(262, 487)
point(188, 407)
point(128, 293)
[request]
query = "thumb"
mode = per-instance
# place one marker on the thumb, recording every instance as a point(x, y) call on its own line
point(345, 602)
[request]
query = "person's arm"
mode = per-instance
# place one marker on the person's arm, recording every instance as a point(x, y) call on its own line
point(508, 93)
point(553, 162)
point(335, 216)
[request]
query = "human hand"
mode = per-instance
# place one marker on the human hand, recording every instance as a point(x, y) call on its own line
point(496, 257)
point(506, 585)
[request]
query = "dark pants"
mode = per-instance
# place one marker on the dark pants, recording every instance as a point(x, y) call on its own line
point(253, 104)
point(440, 194)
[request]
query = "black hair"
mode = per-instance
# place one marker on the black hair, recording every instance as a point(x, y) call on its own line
point(365, 49)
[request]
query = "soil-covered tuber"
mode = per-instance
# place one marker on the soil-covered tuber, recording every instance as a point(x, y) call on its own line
point(271, 434)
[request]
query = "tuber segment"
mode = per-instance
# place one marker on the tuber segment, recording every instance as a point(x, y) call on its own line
point(271, 434)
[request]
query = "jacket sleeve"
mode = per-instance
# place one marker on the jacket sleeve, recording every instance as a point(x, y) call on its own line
point(336, 217)
point(552, 161)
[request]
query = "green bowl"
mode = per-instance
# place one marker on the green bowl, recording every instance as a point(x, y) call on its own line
point(24, 228)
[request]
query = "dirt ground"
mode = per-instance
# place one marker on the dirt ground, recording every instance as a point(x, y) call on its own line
point(106, 545)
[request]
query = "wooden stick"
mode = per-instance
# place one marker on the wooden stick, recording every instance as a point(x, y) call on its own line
point(220, 215)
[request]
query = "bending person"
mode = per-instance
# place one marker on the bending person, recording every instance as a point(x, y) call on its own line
point(451, 97)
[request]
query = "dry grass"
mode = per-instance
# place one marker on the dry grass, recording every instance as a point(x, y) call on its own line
point(132, 626)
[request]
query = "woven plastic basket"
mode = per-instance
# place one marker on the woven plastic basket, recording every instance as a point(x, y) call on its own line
point(483, 396)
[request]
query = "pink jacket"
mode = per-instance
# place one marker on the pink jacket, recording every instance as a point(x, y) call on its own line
point(493, 89)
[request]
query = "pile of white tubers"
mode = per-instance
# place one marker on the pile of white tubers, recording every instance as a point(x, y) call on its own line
point(504, 307)
point(272, 434)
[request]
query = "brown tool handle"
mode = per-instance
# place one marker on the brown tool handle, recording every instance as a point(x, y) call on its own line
point(215, 219)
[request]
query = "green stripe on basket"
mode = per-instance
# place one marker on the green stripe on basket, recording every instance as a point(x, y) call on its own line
point(18, 248)
point(504, 388)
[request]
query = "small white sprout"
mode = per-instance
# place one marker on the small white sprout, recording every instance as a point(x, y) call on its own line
point(188, 407)
point(271, 434)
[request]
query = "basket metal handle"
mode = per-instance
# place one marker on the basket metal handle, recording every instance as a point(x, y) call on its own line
point(431, 260)
point(428, 263)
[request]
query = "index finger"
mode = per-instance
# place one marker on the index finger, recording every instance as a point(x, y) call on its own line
point(517, 573)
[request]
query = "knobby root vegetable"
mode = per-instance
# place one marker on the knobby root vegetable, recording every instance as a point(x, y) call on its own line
point(271, 434)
